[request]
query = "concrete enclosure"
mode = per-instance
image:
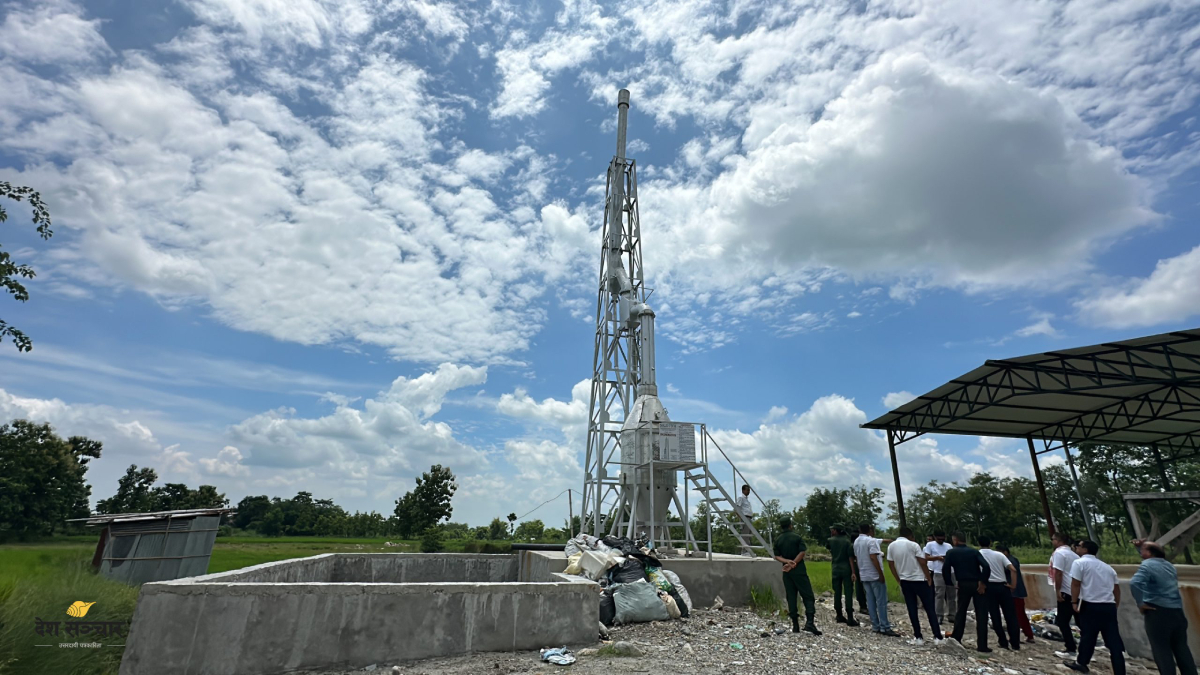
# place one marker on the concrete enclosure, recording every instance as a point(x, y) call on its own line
point(350, 611)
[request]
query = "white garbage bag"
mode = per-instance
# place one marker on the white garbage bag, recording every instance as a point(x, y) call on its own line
point(674, 579)
point(594, 564)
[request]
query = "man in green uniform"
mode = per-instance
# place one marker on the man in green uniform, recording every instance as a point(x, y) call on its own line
point(789, 550)
point(841, 553)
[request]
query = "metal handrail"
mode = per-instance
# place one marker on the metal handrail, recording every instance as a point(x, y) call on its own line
point(736, 475)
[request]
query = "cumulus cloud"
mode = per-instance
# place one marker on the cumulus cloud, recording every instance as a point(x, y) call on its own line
point(52, 32)
point(1171, 293)
point(389, 435)
point(916, 169)
point(311, 229)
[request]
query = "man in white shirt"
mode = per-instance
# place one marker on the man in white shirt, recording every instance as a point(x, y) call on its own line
point(746, 511)
point(999, 593)
point(868, 555)
point(907, 561)
point(1095, 595)
point(946, 596)
point(1060, 571)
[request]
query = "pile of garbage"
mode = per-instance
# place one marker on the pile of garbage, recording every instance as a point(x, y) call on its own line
point(1042, 623)
point(636, 587)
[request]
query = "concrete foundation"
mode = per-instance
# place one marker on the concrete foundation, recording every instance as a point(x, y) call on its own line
point(1133, 628)
point(353, 610)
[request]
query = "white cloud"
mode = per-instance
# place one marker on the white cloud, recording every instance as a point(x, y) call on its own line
point(1170, 293)
point(389, 435)
point(228, 462)
point(1040, 327)
point(51, 32)
point(895, 399)
point(112, 426)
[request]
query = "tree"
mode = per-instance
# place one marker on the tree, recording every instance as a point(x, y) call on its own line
point(41, 478)
point(428, 503)
point(497, 529)
point(134, 492)
point(530, 530)
point(431, 540)
point(825, 508)
point(251, 510)
point(10, 271)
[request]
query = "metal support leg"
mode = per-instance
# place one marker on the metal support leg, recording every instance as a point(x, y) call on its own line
point(1037, 473)
point(1087, 518)
point(891, 439)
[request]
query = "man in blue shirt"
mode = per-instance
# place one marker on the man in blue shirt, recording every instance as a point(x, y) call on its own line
point(1156, 591)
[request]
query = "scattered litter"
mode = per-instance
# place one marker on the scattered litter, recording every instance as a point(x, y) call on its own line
point(559, 656)
point(370, 668)
point(736, 645)
point(718, 603)
point(623, 648)
point(687, 648)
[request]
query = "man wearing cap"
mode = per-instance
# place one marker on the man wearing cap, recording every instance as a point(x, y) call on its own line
point(841, 553)
point(789, 551)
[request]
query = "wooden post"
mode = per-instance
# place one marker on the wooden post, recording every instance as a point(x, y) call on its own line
point(1037, 474)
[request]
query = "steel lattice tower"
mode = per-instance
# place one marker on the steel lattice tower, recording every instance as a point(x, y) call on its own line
point(615, 358)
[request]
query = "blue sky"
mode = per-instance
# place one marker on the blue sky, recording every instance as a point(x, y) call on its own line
point(322, 245)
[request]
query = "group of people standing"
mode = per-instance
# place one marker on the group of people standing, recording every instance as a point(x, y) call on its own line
point(947, 579)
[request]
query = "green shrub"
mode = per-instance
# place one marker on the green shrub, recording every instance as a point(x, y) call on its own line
point(431, 540)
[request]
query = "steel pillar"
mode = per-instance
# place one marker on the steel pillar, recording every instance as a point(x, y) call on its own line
point(891, 439)
point(1083, 509)
point(1037, 474)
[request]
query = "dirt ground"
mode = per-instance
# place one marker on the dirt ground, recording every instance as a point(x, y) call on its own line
point(738, 641)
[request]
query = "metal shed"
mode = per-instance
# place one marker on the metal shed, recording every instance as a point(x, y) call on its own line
point(1143, 392)
point(141, 547)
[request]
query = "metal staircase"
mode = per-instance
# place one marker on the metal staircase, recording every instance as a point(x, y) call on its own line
point(721, 508)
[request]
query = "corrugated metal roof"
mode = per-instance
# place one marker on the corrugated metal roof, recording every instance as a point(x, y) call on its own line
point(152, 515)
point(1144, 391)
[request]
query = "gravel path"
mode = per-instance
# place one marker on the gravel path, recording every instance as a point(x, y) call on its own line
point(701, 644)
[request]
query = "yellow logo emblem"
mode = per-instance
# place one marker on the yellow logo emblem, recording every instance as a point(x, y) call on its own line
point(79, 609)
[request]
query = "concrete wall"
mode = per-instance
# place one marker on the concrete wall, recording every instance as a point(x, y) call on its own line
point(1133, 629)
point(223, 625)
point(729, 576)
point(426, 568)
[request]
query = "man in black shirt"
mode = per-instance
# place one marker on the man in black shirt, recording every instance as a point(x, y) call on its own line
point(971, 571)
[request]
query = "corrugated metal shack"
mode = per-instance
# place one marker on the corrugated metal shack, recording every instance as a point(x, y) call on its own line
point(141, 547)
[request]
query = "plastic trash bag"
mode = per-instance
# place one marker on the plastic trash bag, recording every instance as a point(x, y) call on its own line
point(678, 585)
point(559, 656)
point(669, 602)
point(608, 608)
point(684, 610)
point(656, 577)
point(638, 603)
point(573, 564)
point(628, 572)
point(594, 564)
